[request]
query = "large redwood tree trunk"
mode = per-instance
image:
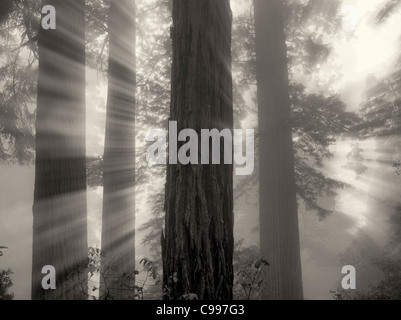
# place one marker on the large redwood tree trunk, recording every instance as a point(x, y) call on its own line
point(198, 244)
point(279, 234)
point(118, 222)
point(59, 210)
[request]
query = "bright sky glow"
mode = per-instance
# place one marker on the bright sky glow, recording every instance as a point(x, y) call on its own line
point(369, 49)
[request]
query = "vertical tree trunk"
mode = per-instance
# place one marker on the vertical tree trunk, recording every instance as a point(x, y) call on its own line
point(59, 210)
point(279, 234)
point(198, 244)
point(118, 226)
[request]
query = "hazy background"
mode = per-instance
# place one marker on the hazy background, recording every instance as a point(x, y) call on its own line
point(360, 212)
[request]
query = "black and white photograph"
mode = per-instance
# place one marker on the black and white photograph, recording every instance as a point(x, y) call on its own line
point(224, 151)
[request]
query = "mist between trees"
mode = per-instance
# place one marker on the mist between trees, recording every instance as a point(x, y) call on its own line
point(79, 102)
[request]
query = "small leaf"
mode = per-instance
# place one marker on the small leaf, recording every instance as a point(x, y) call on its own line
point(91, 268)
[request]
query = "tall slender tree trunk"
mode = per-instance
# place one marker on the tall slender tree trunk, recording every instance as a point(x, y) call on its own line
point(279, 233)
point(198, 244)
point(59, 210)
point(118, 228)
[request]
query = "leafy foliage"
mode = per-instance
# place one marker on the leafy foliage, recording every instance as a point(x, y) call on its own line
point(356, 160)
point(5, 284)
point(308, 23)
point(135, 285)
point(189, 296)
point(1, 247)
point(380, 118)
point(381, 112)
point(387, 289)
point(317, 123)
point(97, 49)
point(112, 281)
point(18, 74)
point(318, 119)
point(397, 166)
point(394, 241)
point(94, 171)
point(248, 268)
point(389, 264)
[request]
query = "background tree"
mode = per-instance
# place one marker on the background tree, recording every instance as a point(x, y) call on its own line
point(118, 221)
point(279, 236)
point(59, 210)
point(198, 244)
point(319, 119)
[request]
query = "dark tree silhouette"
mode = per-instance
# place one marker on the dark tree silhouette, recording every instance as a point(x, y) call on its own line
point(198, 244)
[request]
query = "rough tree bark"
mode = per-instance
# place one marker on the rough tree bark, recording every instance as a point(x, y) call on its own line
point(59, 210)
point(118, 223)
point(198, 244)
point(279, 233)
